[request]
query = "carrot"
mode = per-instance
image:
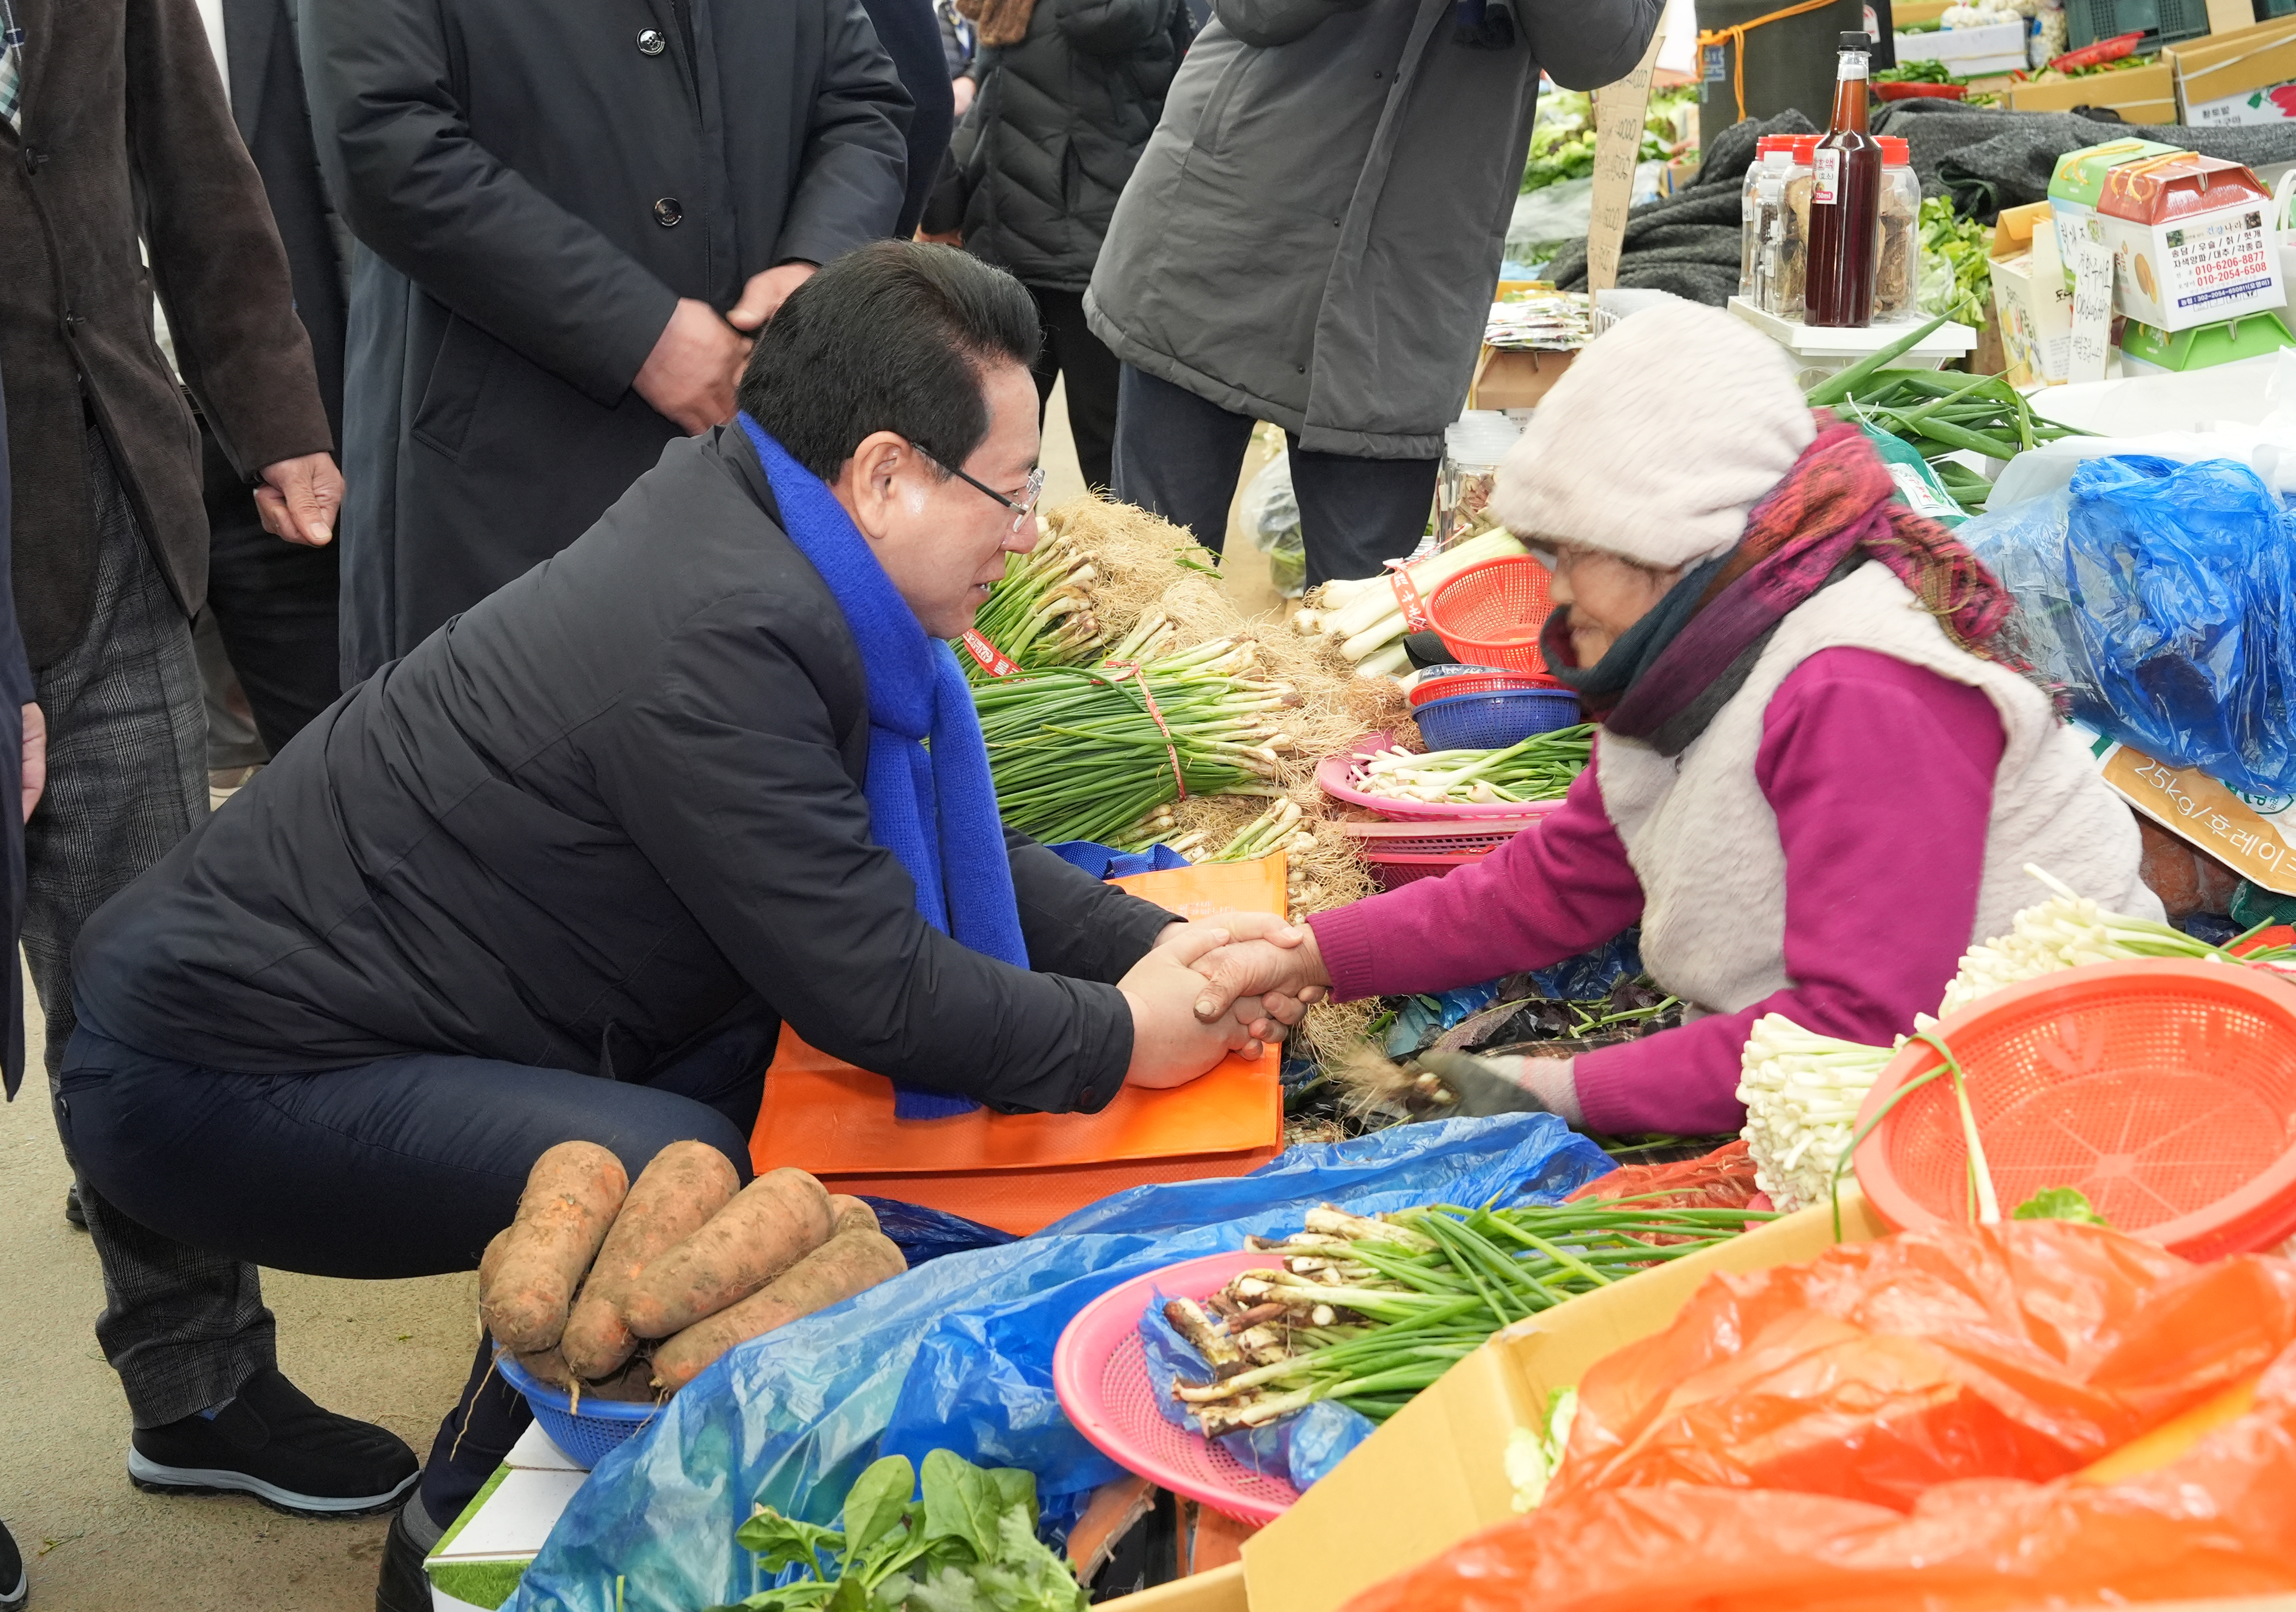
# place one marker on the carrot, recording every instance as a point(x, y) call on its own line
point(772, 1224)
point(674, 1197)
point(569, 1200)
point(856, 1259)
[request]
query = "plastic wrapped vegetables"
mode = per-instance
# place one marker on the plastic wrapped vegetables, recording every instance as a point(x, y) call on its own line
point(1090, 754)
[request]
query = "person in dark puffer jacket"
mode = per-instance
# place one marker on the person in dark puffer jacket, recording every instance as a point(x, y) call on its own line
point(1070, 92)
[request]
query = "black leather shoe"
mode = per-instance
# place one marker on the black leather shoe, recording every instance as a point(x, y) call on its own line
point(15, 1589)
point(76, 1217)
point(273, 1443)
point(404, 1586)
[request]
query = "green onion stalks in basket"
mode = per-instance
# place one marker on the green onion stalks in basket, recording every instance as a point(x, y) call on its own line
point(1541, 767)
point(1370, 1312)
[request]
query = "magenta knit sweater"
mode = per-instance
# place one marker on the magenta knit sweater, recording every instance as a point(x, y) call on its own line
point(1880, 774)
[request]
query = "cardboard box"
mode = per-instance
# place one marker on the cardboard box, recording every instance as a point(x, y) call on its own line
point(2140, 94)
point(2255, 838)
point(2245, 76)
point(2078, 180)
point(2190, 241)
point(1436, 1471)
point(1515, 378)
point(2204, 346)
point(2032, 303)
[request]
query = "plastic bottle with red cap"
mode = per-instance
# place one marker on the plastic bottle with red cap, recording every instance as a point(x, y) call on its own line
point(1898, 259)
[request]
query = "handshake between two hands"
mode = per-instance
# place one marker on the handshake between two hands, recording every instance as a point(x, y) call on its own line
point(1233, 982)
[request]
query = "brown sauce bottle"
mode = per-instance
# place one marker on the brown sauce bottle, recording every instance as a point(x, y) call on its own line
point(1845, 204)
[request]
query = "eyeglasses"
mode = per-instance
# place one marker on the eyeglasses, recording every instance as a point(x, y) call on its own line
point(1021, 507)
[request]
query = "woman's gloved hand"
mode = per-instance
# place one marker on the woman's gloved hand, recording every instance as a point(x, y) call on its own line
point(1508, 1084)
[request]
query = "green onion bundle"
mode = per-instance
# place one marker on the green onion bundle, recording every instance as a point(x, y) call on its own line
point(1541, 767)
point(1370, 1312)
point(1040, 614)
point(1077, 753)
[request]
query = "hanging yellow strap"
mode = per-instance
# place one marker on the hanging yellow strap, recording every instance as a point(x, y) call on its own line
point(1734, 36)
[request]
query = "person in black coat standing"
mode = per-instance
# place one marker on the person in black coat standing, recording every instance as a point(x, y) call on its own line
point(1070, 92)
point(25, 753)
point(274, 602)
point(573, 215)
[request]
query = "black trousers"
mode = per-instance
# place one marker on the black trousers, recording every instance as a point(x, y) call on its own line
point(1179, 456)
point(401, 1168)
point(1072, 350)
point(276, 603)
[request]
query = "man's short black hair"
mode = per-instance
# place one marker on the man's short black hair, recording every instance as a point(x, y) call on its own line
point(891, 337)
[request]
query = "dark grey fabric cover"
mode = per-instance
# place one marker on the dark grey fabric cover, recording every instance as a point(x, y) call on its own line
point(1314, 233)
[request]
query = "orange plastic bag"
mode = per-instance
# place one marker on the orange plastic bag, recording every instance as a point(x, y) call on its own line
point(1881, 1370)
point(1891, 1425)
point(1723, 1179)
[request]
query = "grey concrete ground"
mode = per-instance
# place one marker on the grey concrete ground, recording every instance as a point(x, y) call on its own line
point(389, 1352)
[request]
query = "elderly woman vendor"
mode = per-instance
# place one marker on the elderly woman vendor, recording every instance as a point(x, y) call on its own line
point(1815, 781)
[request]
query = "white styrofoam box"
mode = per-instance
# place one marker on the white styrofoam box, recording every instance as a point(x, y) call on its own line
point(1960, 48)
point(506, 1525)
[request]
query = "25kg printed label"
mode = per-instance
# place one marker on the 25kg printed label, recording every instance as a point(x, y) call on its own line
point(1825, 177)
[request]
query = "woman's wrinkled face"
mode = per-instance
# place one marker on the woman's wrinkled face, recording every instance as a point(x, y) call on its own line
point(1606, 594)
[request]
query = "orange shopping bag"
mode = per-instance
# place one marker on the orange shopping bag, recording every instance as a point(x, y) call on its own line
point(1020, 1172)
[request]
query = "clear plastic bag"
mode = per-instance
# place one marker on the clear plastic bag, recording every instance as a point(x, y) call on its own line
point(2162, 597)
point(1270, 513)
point(957, 1354)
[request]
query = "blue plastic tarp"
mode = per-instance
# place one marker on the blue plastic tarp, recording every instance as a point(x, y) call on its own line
point(957, 1354)
point(2162, 597)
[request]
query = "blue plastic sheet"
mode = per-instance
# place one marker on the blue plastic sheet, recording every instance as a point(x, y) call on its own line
point(923, 1234)
point(2159, 595)
point(1299, 1448)
point(1592, 973)
point(957, 1354)
point(1106, 861)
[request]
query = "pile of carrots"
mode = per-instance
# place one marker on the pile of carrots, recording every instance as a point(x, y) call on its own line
point(627, 1291)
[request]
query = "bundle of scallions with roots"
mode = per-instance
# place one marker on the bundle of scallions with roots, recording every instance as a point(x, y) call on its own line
point(1092, 752)
point(1802, 1091)
point(1364, 617)
point(1093, 575)
point(1371, 1311)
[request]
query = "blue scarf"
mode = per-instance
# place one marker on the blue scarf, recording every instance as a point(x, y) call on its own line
point(931, 799)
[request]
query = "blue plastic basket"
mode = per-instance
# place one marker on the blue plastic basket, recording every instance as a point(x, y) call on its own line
point(587, 1436)
point(1492, 722)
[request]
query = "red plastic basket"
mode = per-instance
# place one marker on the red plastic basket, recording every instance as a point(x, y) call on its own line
point(1436, 684)
point(2164, 1090)
point(1101, 1374)
point(1491, 613)
point(1400, 852)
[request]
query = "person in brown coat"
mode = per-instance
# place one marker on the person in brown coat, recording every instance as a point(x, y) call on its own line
point(115, 134)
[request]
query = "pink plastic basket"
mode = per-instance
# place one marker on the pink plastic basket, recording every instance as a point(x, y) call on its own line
point(1331, 777)
point(1102, 1378)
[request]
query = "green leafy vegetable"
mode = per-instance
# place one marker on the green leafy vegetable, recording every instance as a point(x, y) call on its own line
point(970, 1545)
point(1956, 264)
point(2059, 1203)
point(1914, 72)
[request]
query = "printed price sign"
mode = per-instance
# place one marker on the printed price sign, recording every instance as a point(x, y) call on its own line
point(2092, 332)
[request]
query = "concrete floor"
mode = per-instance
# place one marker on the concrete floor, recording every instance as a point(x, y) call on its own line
point(389, 1352)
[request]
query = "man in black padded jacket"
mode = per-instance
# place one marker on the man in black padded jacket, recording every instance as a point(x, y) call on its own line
point(565, 870)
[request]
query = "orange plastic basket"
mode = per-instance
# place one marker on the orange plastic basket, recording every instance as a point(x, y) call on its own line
point(2164, 1090)
point(1490, 614)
